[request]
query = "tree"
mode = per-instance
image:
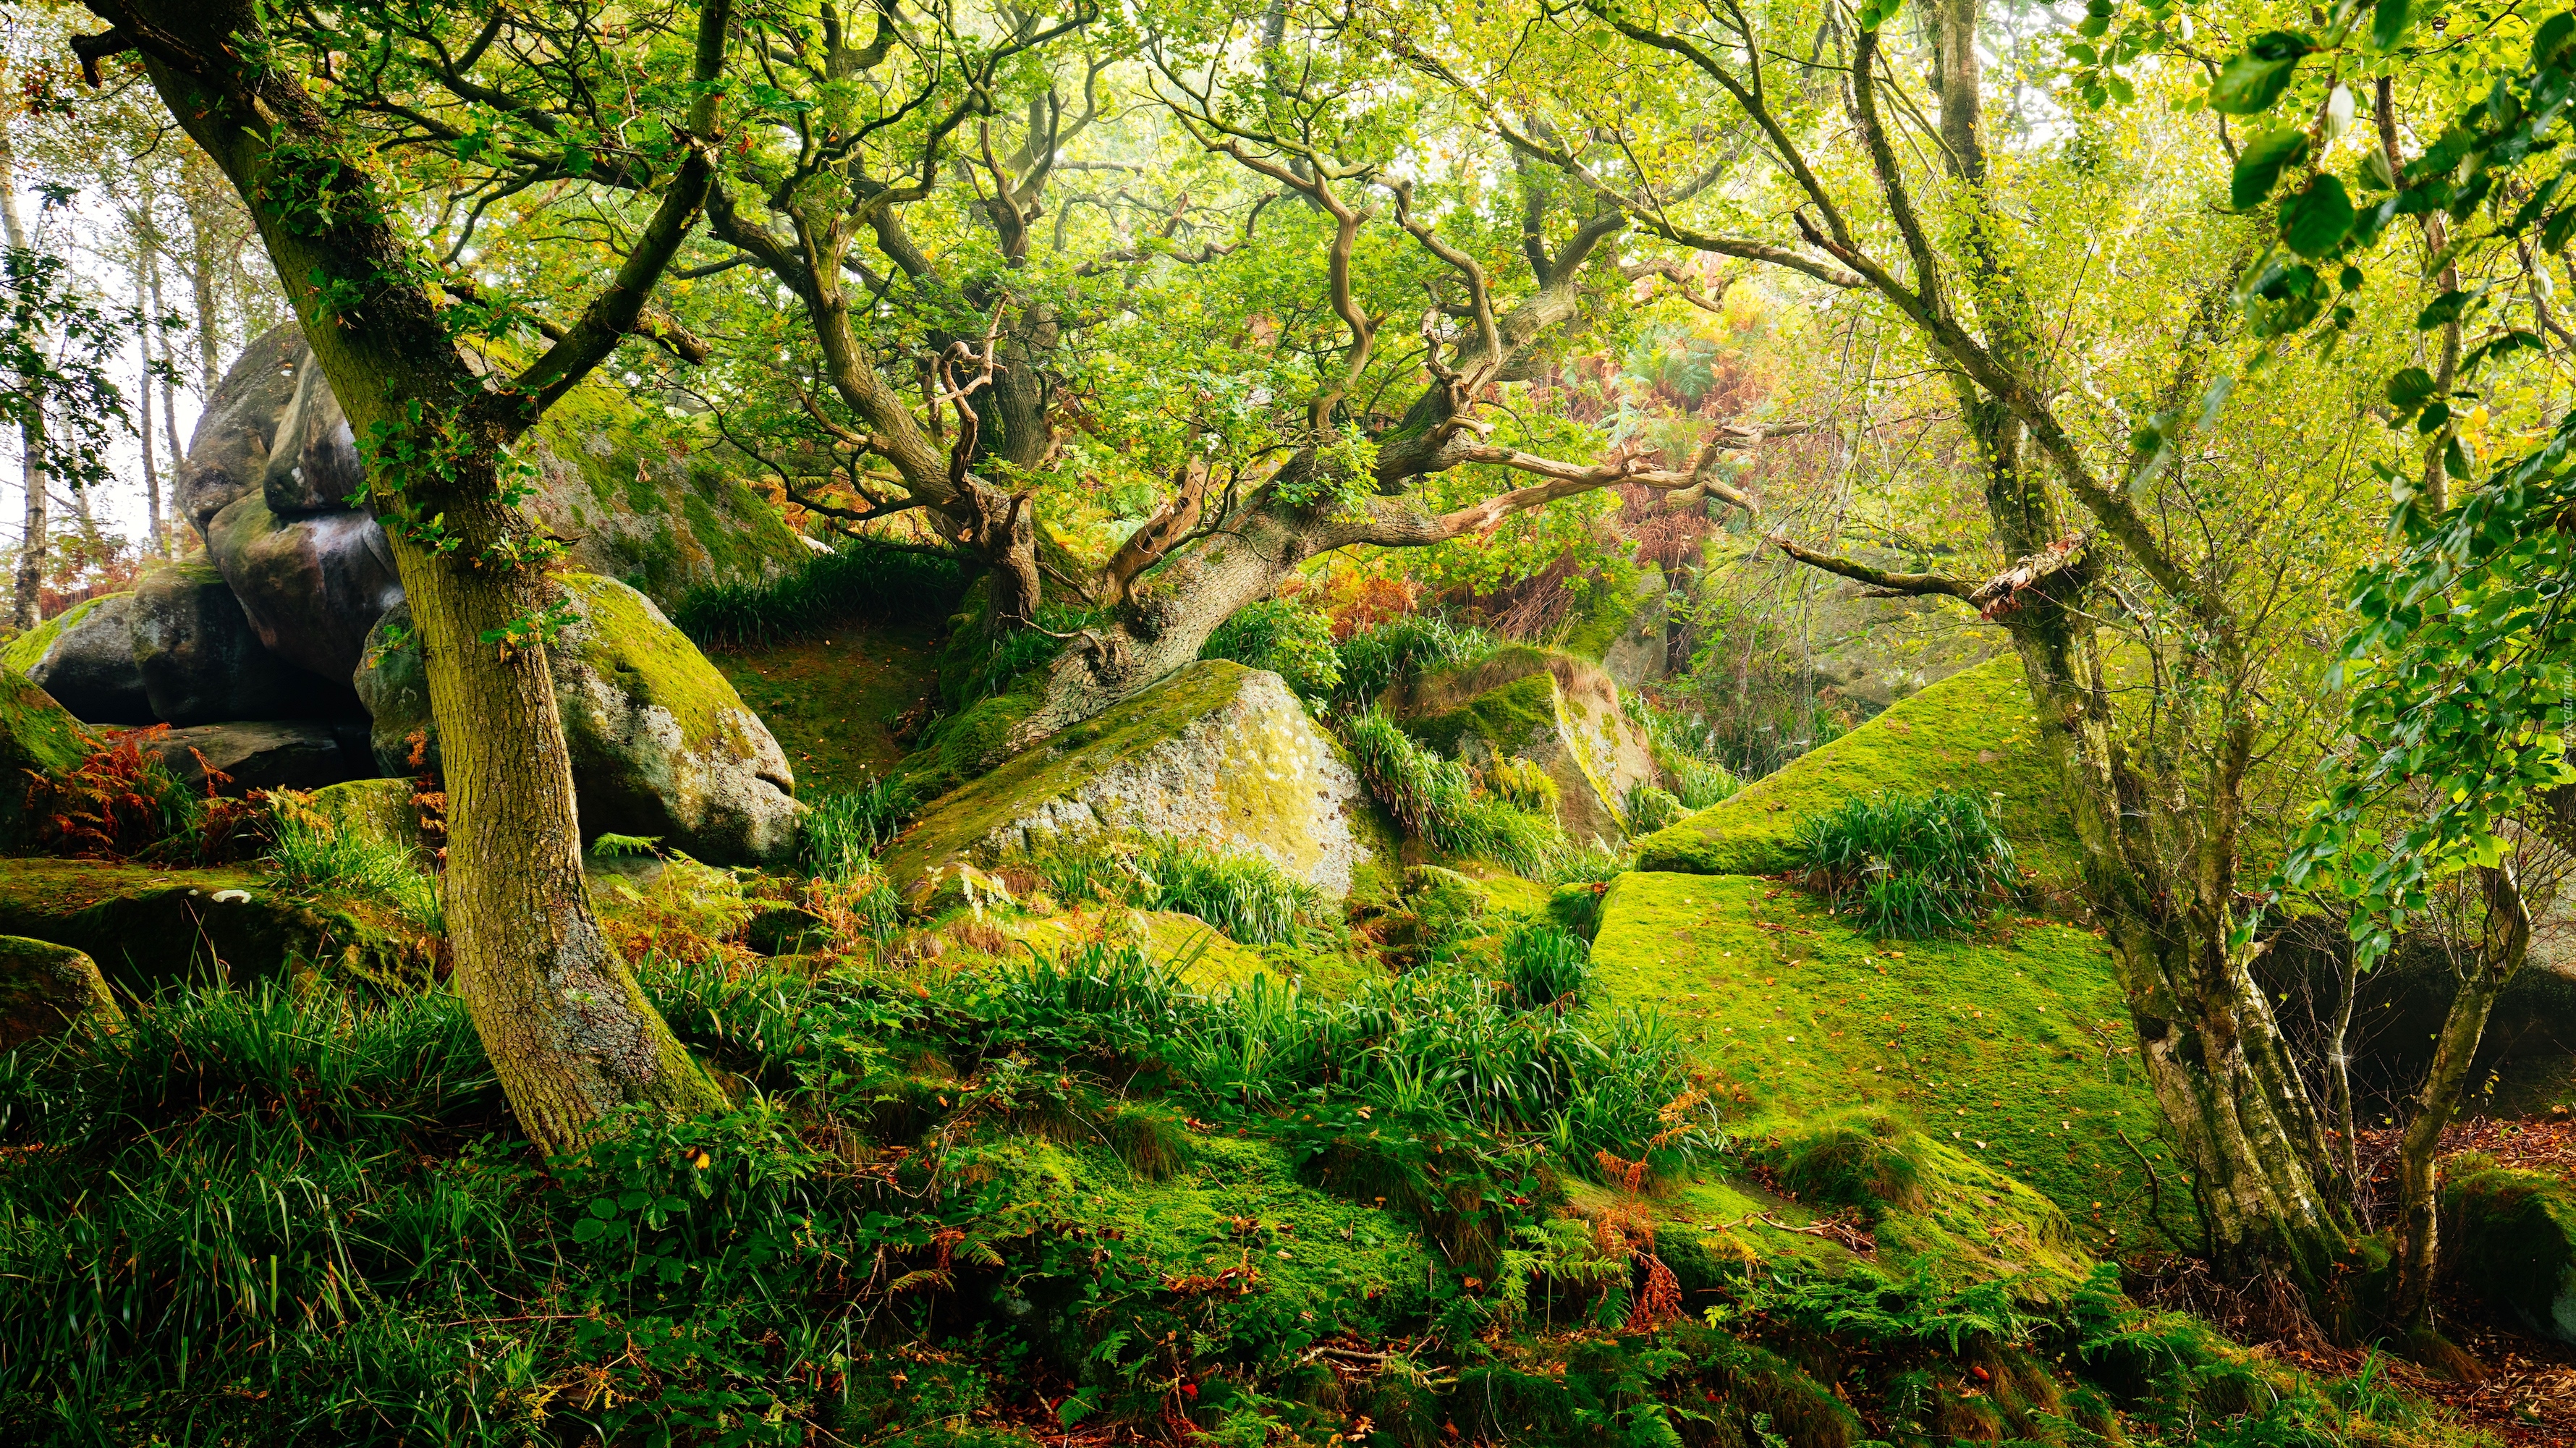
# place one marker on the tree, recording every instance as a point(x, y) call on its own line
point(403, 343)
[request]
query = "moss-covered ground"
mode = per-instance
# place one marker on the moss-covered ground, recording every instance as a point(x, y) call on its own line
point(1971, 732)
point(832, 702)
point(2012, 1047)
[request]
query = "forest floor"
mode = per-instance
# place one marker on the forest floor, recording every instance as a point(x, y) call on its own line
point(833, 702)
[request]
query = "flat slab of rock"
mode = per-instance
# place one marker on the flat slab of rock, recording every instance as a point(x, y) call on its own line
point(273, 754)
point(84, 657)
point(145, 927)
point(1218, 754)
point(46, 989)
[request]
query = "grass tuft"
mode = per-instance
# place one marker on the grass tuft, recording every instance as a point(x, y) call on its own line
point(841, 833)
point(1437, 799)
point(314, 854)
point(1399, 648)
point(1909, 867)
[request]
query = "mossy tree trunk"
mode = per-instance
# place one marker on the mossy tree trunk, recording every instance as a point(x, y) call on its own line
point(569, 1032)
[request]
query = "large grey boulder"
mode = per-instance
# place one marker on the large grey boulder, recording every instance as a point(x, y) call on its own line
point(1218, 754)
point(264, 754)
point(228, 454)
point(312, 584)
point(661, 744)
point(203, 663)
point(84, 657)
point(313, 463)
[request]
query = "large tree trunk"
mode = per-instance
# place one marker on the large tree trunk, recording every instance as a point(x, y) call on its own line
point(570, 1034)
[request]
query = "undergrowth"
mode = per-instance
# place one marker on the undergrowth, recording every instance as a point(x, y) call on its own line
point(1438, 799)
point(1908, 867)
point(1400, 648)
point(839, 834)
point(1293, 642)
point(1244, 895)
point(313, 853)
point(863, 578)
point(1685, 753)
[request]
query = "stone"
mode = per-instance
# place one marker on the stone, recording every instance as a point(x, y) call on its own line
point(376, 809)
point(203, 663)
point(37, 736)
point(228, 453)
point(311, 585)
point(1970, 732)
point(149, 927)
point(1556, 710)
point(84, 657)
point(2510, 1237)
point(1218, 754)
point(266, 754)
point(661, 744)
point(47, 989)
point(313, 463)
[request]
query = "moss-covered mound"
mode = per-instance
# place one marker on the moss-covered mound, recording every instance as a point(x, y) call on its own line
point(45, 989)
point(2007, 1048)
point(37, 736)
point(1972, 731)
point(148, 927)
point(1554, 709)
point(1217, 753)
point(2511, 1238)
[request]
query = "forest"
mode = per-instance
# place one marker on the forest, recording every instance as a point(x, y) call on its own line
point(1345, 723)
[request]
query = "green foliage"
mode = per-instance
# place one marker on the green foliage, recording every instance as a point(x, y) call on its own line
point(840, 834)
point(862, 579)
point(1244, 895)
point(1291, 641)
point(1649, 808)
point(315, 854)
point(1437, 798)
point(1400, 648)
point(1686, 754)
point(1908, 867)
point(1522, 783)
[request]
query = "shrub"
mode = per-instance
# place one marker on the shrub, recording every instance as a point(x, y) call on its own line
point(1908, 867)
point(1276, 634)
point(312, 853)
point(1436, 798)
point(863, 578)
point(1399, 648)
point(841, 833)
point(1649, 809)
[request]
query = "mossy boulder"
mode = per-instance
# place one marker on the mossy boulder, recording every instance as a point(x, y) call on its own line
point(1217, 753)
point(37, 736)
point(2511, 1240)
point(1971, 732)
point(378, 809)
point(148, 927)
point(311, 584)
point(2002, 1047)
point(1553, 709)
point(661, 744)
point(84, 657)
point(46, 989)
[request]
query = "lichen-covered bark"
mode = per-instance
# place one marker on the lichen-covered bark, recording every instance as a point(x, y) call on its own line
point(568, 1031)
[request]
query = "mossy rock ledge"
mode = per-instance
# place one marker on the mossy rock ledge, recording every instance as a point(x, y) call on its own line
point(1972, 731)
point(661, 744)
point(1217, 753)
point(2511, 1238)
point(148, 927)
point(47, 989)
point(1553, 709)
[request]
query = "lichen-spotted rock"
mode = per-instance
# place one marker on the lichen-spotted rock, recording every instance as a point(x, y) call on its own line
point(46, 989)
point(661, 744)
point(1217, 753)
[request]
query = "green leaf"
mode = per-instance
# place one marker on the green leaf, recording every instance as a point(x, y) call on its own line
point(2249, 83)
point(2409, 389)
point(2092, 27)
point(2441, 311)
point(589, 1229)
point(2314, 221)
point(2434, 419)
point(2553, 236)
point(2260, 164)
point(2549, 42)
point(2388, 22)
point(2455, 461)
point(603, 1208)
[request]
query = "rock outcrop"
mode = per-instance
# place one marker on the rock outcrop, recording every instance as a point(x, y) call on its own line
point(47, 989)
point(147, 927)
point(661, 744)
point(2511, 1240)
point(1217, 753)
point(267, 754)
point(1558, 711)
point(84, 657)
point(203, 663)
point(312, 584)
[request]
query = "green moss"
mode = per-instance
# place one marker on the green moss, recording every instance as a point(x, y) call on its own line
point(45, 989)
point(832, 702)
point(1509, 719)
point(37, 736)
point(1971, 732)
point(1603, 611)
point(146, 927)
point(2004, 1049)
point(627, 640)
point(966, 818)
point(2511, 1238)
point(378, 809)
point(28, 649)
